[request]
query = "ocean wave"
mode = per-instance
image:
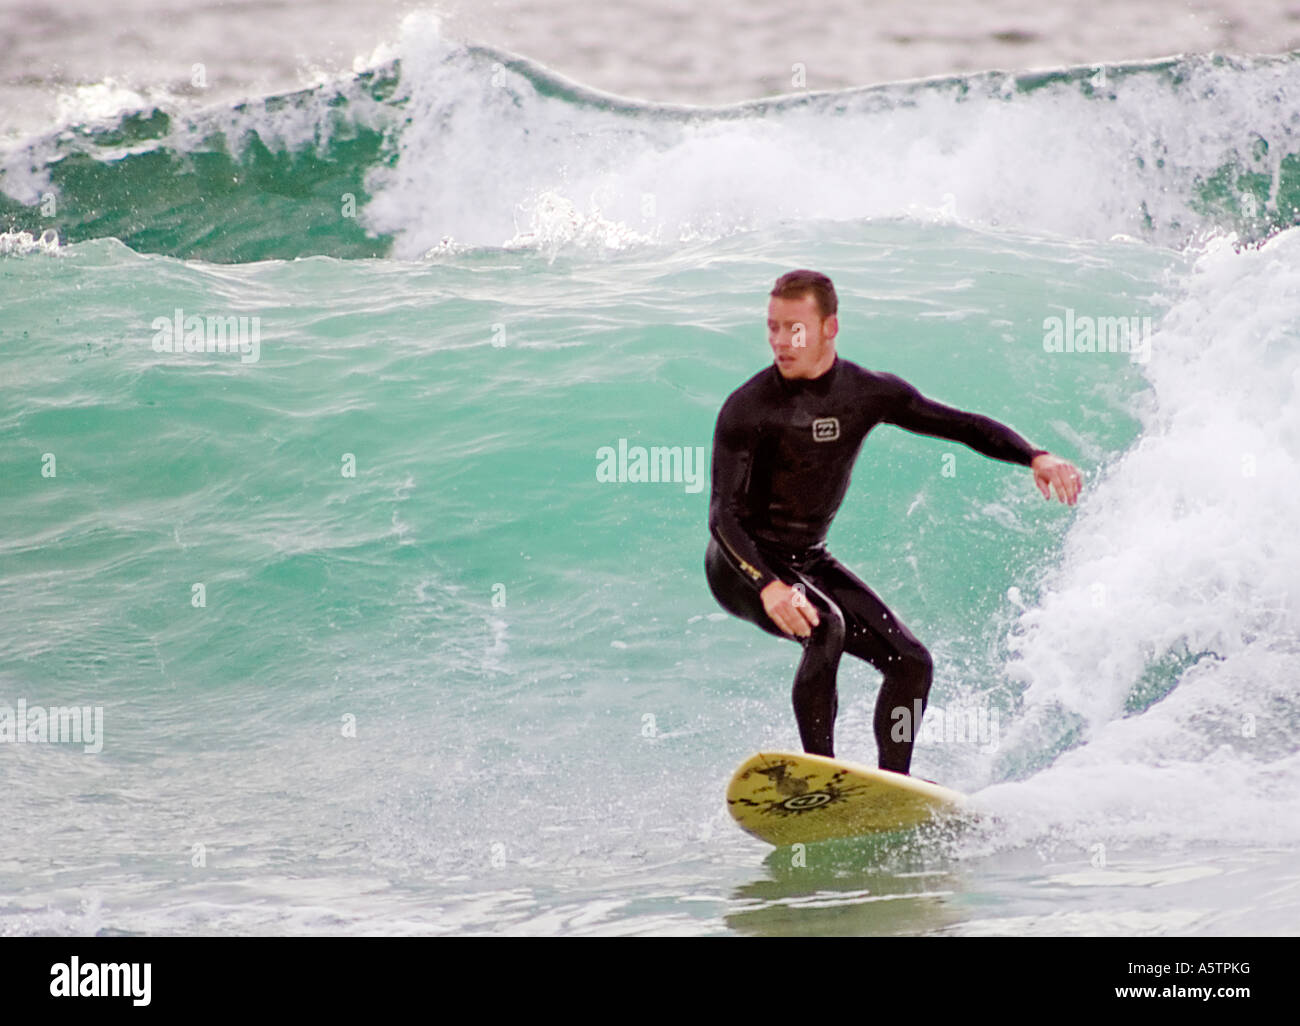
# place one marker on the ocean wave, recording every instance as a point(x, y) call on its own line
point(441, 146)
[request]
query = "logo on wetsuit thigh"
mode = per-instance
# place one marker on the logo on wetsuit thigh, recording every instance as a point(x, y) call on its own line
point(826, 429)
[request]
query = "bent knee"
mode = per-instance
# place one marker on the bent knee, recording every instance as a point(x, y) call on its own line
point(830, 631)
point(913, 661)
point(919, 663)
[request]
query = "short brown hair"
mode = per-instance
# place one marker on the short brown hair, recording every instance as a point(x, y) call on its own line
point(794, 284)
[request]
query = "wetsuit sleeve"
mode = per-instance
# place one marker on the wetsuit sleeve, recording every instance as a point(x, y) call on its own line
point(910, 410)
point(734, 443)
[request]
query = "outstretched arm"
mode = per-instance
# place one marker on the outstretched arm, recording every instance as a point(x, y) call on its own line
point(914, 412)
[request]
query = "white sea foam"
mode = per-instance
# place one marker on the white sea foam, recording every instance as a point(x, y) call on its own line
point(494, 147)
point(22, 243)
point(1186, 548)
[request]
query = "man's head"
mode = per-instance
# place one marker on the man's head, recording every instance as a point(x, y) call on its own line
point(802, 324)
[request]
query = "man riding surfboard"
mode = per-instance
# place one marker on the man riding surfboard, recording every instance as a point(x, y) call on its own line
point(783, 451)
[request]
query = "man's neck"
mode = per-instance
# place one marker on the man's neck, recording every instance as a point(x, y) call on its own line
point(827, 368)
point(820, 372)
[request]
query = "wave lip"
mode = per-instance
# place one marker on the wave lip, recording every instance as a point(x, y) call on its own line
point(440, 146)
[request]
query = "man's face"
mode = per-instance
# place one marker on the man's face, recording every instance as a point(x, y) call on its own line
point(801, 340)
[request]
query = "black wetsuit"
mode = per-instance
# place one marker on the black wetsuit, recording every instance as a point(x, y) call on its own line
point(783, 452)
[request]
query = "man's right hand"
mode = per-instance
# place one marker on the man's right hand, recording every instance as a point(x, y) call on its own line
point(789, 609)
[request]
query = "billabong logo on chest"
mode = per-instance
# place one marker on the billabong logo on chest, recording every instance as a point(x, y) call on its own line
point(826, 429)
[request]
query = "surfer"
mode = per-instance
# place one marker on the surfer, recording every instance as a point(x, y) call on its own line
point(783, 451)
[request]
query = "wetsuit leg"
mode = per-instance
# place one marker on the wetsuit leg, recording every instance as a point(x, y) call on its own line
point(875, 634)
point(734, 593)
point(853, 619)
point(815, 700)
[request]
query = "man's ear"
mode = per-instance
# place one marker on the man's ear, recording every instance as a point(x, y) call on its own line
point(831, 326)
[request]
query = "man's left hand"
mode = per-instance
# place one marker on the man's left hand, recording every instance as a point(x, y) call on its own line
point(1053, 472)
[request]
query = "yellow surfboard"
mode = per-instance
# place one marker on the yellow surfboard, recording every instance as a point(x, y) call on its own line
point(788, 798)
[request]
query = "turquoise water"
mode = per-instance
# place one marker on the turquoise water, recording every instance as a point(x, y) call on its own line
point(377, 652)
